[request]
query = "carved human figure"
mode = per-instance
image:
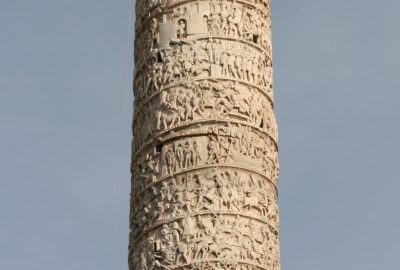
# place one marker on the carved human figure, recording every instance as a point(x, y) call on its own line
point(181, 33)
point(171, 160)
point(188, 153)
point(196, 154)
point(210, 50)
point(180, 156)
point(213, 151)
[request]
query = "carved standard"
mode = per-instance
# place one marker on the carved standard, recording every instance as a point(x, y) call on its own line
point(204, 153)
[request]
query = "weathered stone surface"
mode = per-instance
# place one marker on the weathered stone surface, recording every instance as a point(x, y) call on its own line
point(204, 153)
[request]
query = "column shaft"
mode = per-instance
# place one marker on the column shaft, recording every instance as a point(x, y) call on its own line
point(205, 147)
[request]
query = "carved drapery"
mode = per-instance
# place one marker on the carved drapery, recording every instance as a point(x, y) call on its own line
point(205, 148)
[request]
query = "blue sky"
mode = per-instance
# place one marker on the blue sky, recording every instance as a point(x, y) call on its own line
point(65, 113)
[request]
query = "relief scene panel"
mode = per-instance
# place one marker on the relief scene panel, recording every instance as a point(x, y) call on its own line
point(216, 144)
point(216, 191)
point(204, 58)
point(193, 19)
point(185, 105)
point(220, 240)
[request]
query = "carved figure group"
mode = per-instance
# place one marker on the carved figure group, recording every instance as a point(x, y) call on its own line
point(185, 154)
point(225, 19)
point(215, 58)
point(209, 100)
point(209, 191)
point(242, 146)
point(238, 21)
point(205, 100)
point(230, 144)
point(195, 239)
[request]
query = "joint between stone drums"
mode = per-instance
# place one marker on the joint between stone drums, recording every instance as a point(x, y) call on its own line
point(205, 167)
point(270, 97)
point(202, 213)
point(158, 136)
point(143, 62)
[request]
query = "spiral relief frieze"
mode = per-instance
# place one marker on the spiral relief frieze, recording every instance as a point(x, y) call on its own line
point(205, 147)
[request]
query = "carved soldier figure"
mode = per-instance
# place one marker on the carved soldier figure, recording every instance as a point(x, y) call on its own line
point(225, 63)
point(210, 50)
point(171, 161)
point(180, 156)
point(213, 151)
point(188, 152)
point(197, 105)
point(196, 154)
point(238, 66)
point(181, 33)
point(154, 33)
point(231, 64)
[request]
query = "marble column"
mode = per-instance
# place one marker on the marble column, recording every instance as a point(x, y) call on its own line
point(205, 145)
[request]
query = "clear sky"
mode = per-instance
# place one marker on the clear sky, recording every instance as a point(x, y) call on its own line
point(65, 113)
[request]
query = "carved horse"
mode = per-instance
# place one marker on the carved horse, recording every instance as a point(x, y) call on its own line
point(167, 119)
point(251, 203)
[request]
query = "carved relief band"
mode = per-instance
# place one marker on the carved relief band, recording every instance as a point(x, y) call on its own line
point(205, 148)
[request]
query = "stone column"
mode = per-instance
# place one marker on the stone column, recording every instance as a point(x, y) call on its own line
point(204, 152)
